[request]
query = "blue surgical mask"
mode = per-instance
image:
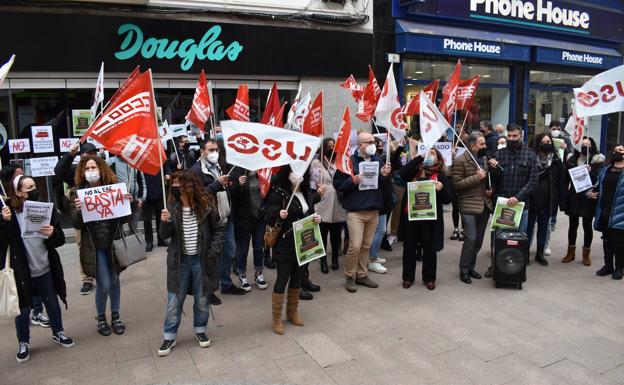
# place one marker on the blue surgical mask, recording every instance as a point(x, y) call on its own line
point(429, 161)
point(219, 136)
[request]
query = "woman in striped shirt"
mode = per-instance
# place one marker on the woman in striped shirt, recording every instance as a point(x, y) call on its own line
point(192, 222)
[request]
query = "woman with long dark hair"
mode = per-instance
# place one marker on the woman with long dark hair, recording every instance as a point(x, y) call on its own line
point(610, 213)
point(192, 222)
point(289, 273)
point(36, 265)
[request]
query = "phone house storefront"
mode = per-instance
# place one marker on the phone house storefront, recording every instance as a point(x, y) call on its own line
point(527, 69)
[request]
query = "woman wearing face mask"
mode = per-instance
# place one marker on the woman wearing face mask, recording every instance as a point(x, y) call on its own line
point(429, 233)
point(288, 270)
point(610, 213)
point(548, 195)
point(192, 222)
point(97, 257)
point(582, 206)
point(330, 207)
point(35, 263)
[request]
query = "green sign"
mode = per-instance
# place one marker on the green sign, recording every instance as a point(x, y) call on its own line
point(81, 120)
point(308, 242)
point(557, 144)
point(506, 217)
point(421, 201)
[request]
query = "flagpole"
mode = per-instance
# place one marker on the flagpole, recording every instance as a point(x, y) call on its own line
point(375, 124)
point(462, 128)
point(175, 150)
point(292, 196)
point(160, 145)
point(468, 150)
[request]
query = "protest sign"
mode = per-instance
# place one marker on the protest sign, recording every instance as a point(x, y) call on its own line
point(81, 120)
point(308, 242)
point(43, 166)
point(66, 143)
point(42, 138)
point(19, 146)
point(35, 215)
point(369, 171)
point(557, 142)
point(104, 202)
point(178, 130)
point(445, 149)
point(580, 178)
point(506, 217)
point(421, 201)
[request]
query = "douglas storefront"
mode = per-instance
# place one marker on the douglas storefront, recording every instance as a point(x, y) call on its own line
point(529, 55)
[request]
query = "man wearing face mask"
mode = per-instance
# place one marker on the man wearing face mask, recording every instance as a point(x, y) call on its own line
point(185, 157)
point(217, 183)
point(362, 208)
point(474, 197)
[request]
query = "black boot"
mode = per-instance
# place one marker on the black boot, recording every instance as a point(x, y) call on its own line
point(305, 296)
point(539, 256)
point(324, 268)
point(268, 261)
point(335, 265)
point(102, 325)
point(306, 284)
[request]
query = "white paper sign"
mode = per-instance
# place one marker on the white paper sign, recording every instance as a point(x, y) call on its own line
point(445, 149)
point(104, 202)
point(178, 130)
point(66, 143)
point(369, 171)
point(36, 215)
point(42, 138)
point(580, 178)
point(19, 146)
point(43, 166)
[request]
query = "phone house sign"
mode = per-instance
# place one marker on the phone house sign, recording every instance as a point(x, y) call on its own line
point(471, 46)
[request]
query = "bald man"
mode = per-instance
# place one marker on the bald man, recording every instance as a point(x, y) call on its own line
point(501, 130)
point(362, 208)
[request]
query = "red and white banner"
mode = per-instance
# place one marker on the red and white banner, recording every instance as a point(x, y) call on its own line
point(370, 96)
point(240, 109)
point(575, 127)
point(301, 111)
point(388, 112)
point(602, 94)
point(432, 123)
point(254, 146)
point(466, 92)
point(313, 123)
point(201, 109)
point(448, 104)
point(342, 148)
point(356, 90)
point(272, 107)
point(291, 112)
point(98, 96)
point(4, 70)
point(413, 106)
point(127, 127)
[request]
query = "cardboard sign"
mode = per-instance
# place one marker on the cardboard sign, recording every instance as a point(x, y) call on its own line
point(42, 138)
point(506, 217)
point(580, 178)
point(43, 166)
point(308, 242)
point(66, 143)
point(19, 146)
point(81, 120)
point(35, 215)
point(104, 202)
point(421, 201)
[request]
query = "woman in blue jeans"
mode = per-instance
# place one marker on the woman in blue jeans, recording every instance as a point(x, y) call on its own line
point(197, 233)
point(97, 257)
point(36, 264)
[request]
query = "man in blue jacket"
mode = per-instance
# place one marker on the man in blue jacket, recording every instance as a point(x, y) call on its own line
point(362, 206)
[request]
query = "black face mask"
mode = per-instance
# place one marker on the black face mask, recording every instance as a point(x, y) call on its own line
point(186, 146)
point(328, 153)
point(33, 195)
point(617, 156)
point(175, 191)
point(546, 147)
point(514, 144)
point(584, 150)
point(482, 152)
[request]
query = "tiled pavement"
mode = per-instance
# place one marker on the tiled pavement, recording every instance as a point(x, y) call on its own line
point(565, 327)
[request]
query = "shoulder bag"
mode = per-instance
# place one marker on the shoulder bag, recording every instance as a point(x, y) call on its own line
point(129, 249)
point(9, 301)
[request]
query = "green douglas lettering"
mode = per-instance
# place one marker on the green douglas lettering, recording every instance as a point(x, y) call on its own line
point(208, 48)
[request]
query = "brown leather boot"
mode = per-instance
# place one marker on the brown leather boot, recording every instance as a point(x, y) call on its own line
point(292, 303)
point(569, 257)
point(278, 325)
point(586, 259)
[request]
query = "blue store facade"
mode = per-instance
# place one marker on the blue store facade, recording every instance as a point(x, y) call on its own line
point(530, 54)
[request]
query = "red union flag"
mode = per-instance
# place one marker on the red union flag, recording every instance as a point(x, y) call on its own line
point(575, 128)
point(413, 106)
point(272, 107)
point(432, 123)
point(466, 92)
point(127, 127)
point(313, 123)
point(602, 94)
point(342, 148)
point(449, 93)
point(370, 97)
point(277, 120)
point(240, 109)
point(356, 90)
point(201, 109)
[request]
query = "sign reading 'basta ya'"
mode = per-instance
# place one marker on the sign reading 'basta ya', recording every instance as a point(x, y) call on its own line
point(208, 48)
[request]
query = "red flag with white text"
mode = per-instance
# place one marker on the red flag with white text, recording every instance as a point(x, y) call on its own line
point(370, 97)
point(200, 109)
point(412, 107)
point(240, 109)
point(342, 148)
point(272, 107)
point(448, 104)
point(313, 123)
point(355, 89)
point(466, 92)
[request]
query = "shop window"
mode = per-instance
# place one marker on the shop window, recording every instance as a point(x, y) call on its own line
point(429, 70)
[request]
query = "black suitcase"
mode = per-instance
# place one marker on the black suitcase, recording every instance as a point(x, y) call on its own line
point(510, 256)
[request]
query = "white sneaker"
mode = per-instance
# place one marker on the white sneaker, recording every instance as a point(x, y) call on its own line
point(380, 260)
point(392, 239)
point(244, 284)
point(377, 267)
point(261, 282)
point(547, 251)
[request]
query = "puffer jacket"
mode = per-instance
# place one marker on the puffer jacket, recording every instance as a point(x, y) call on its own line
point(470, 190)
point(211, 233)
point(616, 218)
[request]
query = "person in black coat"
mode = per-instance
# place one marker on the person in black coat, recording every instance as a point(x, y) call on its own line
point(288, 270)
point(548, 195)
point(36, 265)
point(429, 234)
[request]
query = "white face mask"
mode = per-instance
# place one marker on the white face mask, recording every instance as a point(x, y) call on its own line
point(92, 176)
point(294, 178)
point(213, 157)
point(371, 149)
point(555, 133)
point(501, 146)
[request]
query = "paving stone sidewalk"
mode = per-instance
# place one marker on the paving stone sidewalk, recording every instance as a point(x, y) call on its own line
point(565, 327)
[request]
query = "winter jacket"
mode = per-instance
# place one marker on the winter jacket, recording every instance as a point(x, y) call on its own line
point(491, 143)
point(355, 199)
point(247, 203)
point(154, 186)
point(211, 234)
point(19, 260)
point(616, 218)
point(65, 170)
point(470, 190)
point(553, 180)
point(330, 206)
point(517, 175)
point(578, 204)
